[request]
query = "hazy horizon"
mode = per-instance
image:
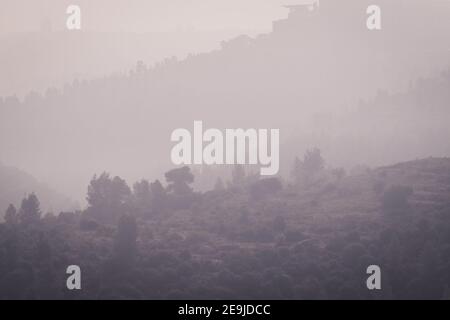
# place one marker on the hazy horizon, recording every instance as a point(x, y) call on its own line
point(224, 150)
point(60, 128)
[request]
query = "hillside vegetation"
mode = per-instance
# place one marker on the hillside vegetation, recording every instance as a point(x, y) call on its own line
point(309, 238)
point(15, 184)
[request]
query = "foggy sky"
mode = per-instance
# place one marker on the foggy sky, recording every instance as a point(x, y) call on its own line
point(143, 15)
point(284, 79)
point(115, 34)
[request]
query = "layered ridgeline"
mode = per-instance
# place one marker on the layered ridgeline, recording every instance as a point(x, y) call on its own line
point(385, 129)
point(311, 69)
point(15, 185)
point(50, 59)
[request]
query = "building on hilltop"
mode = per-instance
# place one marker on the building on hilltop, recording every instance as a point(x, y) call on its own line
point(298, 14)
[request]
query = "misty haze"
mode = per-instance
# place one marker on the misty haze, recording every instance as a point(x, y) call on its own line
point(362, 176)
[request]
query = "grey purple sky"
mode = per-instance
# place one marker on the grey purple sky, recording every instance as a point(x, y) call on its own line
point(144, 15)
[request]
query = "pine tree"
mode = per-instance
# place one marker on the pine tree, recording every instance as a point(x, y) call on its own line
point(108, 197)
point(30, 211)
point(11, 215)
point(142, 197)
point(179, 180)
point(159, 197)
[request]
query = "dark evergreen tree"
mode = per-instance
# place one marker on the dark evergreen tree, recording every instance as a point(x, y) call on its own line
point(142, 197)
point(159, 198)
point(179, 180)
point(108, 198)
point(306, 171)
point(30, 211)
point(11, 215)
point(313, 161)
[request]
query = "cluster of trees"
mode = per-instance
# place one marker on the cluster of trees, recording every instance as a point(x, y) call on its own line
point(109, 197)
point(28, 213)
point(309, 238)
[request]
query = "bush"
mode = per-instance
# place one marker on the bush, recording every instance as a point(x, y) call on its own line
point(265, 187)
point(88, 225)
point(395, 199)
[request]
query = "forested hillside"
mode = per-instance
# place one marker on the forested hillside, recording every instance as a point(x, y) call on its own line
point(308, 238)
point(312, 67)
point(15, 184)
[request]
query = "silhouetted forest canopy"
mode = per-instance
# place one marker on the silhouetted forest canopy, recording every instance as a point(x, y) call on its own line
point(348, 102)
point(310, 237)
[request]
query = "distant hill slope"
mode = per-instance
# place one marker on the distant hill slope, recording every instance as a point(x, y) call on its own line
point(304, 241)
point(55, 58)
point(15, 184)
point(361, 194)
point(429, 179)
point(301, 78)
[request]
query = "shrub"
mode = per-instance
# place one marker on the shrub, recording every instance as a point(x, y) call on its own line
point(395, 199)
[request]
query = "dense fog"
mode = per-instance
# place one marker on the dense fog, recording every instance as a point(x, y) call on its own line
point(86, 119)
